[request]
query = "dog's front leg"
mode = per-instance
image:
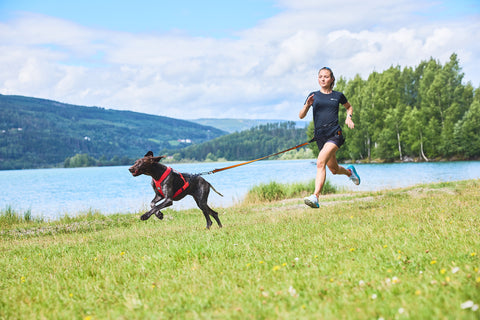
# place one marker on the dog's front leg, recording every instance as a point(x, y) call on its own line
point(153, 209)
point(156, 210)
point(155, 200)
point(164, 204)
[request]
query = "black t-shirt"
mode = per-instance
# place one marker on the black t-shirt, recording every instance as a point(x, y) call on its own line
point(325, 108)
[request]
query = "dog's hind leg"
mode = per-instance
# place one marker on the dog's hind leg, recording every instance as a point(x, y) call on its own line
point(207, 212)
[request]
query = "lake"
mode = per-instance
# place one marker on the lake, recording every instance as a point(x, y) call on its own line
point(52, 193)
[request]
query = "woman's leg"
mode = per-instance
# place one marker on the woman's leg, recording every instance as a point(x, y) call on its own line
point(326, 156)
point(332, 164)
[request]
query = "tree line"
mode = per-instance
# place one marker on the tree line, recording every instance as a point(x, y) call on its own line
point(249, 144)
point(424, 113)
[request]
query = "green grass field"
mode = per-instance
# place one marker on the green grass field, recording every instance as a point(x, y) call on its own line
point(410, 253)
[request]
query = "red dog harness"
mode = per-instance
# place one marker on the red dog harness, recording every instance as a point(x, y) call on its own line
point(158, 183)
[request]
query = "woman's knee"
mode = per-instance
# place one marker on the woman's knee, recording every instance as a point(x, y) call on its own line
point(321, 163)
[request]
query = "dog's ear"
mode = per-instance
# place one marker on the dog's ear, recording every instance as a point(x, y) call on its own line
point(149, 154)
point(157, 159)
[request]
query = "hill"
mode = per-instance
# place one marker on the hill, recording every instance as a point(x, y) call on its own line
point(237, 125)
point(249, 144)
point(38, 133)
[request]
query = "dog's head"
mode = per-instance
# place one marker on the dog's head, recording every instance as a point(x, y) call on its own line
point(145, 165)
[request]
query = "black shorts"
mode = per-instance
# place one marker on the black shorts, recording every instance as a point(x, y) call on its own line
point(333, 135)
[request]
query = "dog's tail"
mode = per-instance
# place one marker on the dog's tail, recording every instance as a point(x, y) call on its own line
point(215, 190)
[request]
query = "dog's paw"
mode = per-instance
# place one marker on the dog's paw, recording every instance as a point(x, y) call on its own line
point(159, 215)
point(144, 216)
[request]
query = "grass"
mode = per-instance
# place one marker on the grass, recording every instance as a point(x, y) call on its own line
point(410, 253)
point(274, 191)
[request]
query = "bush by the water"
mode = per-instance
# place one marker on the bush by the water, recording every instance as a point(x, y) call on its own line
point(274, 191)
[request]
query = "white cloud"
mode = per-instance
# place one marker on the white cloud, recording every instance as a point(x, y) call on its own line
point(265, 72)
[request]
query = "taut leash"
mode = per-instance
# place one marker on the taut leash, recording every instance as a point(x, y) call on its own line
point(247, 162)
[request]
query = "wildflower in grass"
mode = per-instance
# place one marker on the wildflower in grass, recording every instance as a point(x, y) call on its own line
point(447, 279)
point(87, 318)
point(276, 268)
point(292, 292)
point(455, 270)
point(352, 249)
point(401, 310)
point(374, 296)
point(385, 246)
point(296, 259)
point(443, 271)
point(249, 264)
point(284, 264)
point(361, 283)
point(473, 254)
point(122, 253)
point(418, 292)
point(261, 262)
point(478, 280)
point(70, 295)
point(433, 261)
point(22, 279)
point(395, 280)
point(467, 304)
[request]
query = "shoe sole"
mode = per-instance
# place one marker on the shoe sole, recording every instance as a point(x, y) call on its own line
point(311, 204)
point(355, 174)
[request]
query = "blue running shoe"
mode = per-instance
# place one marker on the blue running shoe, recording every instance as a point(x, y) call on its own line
point(354, 177)
point(311, 201)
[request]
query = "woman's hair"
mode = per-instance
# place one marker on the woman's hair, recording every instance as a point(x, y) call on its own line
point(331, 76)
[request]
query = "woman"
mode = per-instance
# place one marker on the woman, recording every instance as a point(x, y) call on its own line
point(328, 133)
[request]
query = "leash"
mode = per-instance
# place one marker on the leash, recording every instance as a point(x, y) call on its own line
point(247, 162)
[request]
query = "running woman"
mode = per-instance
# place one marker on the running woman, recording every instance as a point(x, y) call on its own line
point(328, 133)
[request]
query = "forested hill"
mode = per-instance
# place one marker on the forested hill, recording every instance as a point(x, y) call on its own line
point(42, 133)
point(249, 144)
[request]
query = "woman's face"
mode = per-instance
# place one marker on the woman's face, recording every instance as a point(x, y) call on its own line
point(325, 78)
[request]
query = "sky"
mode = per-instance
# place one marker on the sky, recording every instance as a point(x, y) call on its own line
point(246, 59)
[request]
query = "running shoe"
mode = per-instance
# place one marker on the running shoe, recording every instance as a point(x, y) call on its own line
point(311, 201)
point(354, 177)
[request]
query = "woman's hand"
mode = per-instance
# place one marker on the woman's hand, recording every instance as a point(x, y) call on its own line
point(306, 106)
point(349, 122)
point(310, 100)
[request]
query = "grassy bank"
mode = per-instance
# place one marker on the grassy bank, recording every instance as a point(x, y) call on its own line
point(397, 254)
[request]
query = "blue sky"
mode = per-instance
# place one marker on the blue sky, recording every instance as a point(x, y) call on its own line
point(220, 59)
point(197, 18)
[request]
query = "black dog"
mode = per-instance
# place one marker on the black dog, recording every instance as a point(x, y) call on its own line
point(173, 186)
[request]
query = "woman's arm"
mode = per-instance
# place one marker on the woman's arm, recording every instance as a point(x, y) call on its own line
point(306, 106)
point(349, 121)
